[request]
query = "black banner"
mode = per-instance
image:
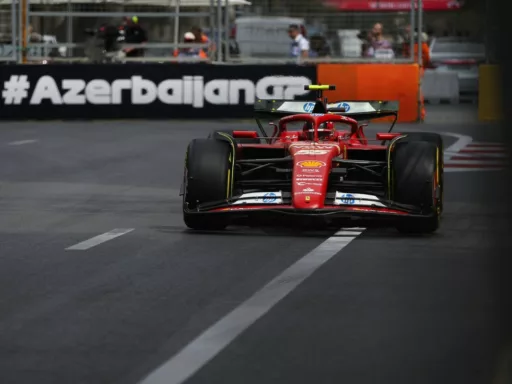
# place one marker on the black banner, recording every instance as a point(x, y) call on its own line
point(148, 91)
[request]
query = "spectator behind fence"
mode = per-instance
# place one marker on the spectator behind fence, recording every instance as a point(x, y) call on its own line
point(200, 37)
point(300, 45)
point(425, 59)
point(425, 50)
point(190, 38)
point(377, 46)
point(319, 47)
point(133, 34)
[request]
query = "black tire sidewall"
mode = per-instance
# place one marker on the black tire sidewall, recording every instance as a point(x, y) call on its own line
point(413, 164)
point(208, 171)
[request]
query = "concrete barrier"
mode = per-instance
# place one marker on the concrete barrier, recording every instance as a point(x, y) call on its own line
point(440, 86)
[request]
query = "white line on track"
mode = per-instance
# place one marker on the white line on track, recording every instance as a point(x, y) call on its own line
point(22, 142)
point(92, 242)
point(212, 341)
point(489, 161)
point(470, 155)
point(461, 169)
point(462, 142)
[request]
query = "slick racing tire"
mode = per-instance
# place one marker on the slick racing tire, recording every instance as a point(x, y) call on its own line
point(437, 140)
point(207, 178)
point(416, 174)
point(424, 136)
point(240, 141)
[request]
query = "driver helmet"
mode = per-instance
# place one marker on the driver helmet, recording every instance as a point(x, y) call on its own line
point(308, 130)
point(325, 131)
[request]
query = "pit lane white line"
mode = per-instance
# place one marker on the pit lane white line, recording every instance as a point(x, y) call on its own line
point(94, 241)
point(22, 142)
point(212, 341)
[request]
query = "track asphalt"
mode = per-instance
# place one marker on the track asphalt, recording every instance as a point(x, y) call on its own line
point(380, 309)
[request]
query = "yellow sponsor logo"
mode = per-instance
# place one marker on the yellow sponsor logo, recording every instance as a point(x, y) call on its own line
point(311, 164)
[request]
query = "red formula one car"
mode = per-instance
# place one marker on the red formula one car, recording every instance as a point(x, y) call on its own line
point(316, 164)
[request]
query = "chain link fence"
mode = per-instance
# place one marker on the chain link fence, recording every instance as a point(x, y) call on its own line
point(242, 31)
point(63, 30)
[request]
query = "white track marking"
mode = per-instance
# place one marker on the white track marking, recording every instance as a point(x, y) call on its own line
point(470, 155)
point(462, 142)
point(468, 161)
point(473, 169)
point(92, 242)
point(494, 158)
point(22, 142)
point(212, 341)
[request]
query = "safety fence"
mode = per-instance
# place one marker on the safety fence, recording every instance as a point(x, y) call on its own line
point(35, 31)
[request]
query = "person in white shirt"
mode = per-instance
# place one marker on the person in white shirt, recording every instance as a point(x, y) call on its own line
point(300, 45)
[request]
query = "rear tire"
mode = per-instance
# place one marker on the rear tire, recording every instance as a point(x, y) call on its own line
point(415, 170)
point(207, 178)
point(430, 137)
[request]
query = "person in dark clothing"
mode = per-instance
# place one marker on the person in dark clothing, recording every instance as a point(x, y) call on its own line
point(319, 47)
point(109, 34)
point(134, 34)
point(102, 40)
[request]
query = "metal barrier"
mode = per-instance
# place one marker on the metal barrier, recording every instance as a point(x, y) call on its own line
point(8, 33)
point(57, 26)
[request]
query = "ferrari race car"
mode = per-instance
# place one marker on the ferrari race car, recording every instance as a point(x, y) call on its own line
point(315, 164)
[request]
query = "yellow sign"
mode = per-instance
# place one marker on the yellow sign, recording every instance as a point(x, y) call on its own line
point(311, 164)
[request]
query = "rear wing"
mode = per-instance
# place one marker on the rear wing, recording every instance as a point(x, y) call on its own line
point(364, 110)
point(359, 110)
point(283, 108)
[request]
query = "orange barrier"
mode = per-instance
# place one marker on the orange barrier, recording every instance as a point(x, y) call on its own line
point(374, 82)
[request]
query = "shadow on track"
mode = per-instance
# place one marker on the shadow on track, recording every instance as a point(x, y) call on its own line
point(368, 233)
point(252, 232)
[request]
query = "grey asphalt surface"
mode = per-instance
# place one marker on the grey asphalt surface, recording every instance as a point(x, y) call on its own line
point(386, 309)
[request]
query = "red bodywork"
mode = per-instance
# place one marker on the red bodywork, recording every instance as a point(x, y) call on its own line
point(313, 160)
point(311, 173)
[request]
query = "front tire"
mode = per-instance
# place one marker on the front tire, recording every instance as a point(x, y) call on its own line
point(437, 140)
point(416, 180)
point(208, 177)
